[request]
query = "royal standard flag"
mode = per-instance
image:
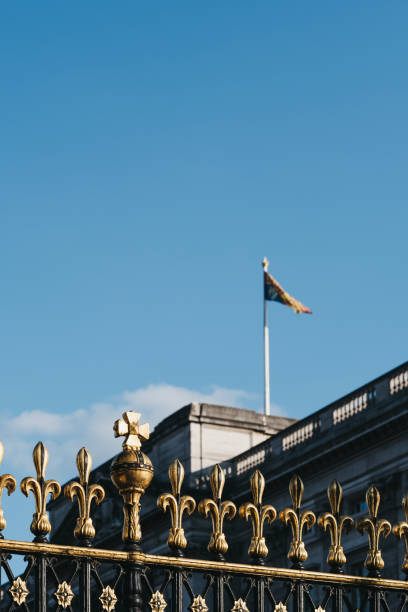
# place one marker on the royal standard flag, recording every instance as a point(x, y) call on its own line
point(274, 293)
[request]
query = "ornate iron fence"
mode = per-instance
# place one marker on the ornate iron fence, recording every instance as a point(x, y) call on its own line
point(81, 577)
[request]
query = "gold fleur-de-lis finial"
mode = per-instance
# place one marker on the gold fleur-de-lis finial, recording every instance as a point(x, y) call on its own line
point(40, 488)
point(258, 514)
point(374, 527)
point(218, 511)
point(85, 493)
point(177, 504)
point(7, 481)
point(336, 523)
point(129, 427)
point(400, 530)
point(297, 519)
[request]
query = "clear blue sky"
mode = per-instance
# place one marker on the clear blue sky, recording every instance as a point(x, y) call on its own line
point(151, 154)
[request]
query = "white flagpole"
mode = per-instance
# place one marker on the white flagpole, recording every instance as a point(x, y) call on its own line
point(267, 401)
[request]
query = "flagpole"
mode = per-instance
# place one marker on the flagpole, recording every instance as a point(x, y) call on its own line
point(267, 401)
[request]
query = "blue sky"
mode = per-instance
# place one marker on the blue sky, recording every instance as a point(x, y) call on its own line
point(151, 154)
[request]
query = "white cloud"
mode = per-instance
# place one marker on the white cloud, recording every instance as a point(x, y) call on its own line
point(65, 434)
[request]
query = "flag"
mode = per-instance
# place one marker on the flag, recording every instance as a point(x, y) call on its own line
point(274, 293)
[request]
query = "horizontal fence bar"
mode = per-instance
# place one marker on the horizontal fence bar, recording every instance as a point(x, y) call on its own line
point(17, 547)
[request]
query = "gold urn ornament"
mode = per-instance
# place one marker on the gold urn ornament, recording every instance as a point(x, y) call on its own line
point(131, 473)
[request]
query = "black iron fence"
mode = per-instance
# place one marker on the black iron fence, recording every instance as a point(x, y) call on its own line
point(81, 577)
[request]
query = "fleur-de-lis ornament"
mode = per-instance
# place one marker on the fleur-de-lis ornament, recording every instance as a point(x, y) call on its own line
point(7, 481)
point(218, 511)
point(177, 504)
point(400, 530)
point(85, 493)
point(40, 488)
point(375, 527)
point(335, 523)
point(297, 519)
point(258, 514)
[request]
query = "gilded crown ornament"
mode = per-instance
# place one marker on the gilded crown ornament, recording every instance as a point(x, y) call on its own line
point(400, 530)
point(258, 514)
point(7, 481)
point(177, 505)
point(85, 493)
point(335, 523)
point(40, 488)
point(218, 511)
point(131, 473)
point(374, 527)
point(297, 519)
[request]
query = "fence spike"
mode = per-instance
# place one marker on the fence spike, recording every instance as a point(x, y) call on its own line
point(374, 527)
point(177, 505)
point(258, 514)
point(85, 493)
point(297, 520)
point(335, 523)
point(40, 488)
point(218, 511)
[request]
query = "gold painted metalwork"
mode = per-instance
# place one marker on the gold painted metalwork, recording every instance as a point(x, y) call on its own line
point(218, 511)
point(257, 513)
point(239, 606)
point(320, 609)
point(64, 595)
point(177, 505)
point(374, 527)
point(85, 493)
point(335, 523)
point(108, 599)
point(297, 519)
point(7, 481)
point(131, 473)
point(19, 591)
point(280, 607)
point(40, 489)
point(239, 569)
point(199, 604)
point(157, 602)
point(401, 531)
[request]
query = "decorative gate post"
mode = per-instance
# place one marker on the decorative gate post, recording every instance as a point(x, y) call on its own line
point(131, 473)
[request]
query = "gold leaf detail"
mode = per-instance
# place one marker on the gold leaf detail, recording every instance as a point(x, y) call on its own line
point(239, 606)
point(157, 602)
point(108, 599)
point(280, 607)
point(19, 591)
point(320, 609)
point(199, 604)
point(64, 595)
